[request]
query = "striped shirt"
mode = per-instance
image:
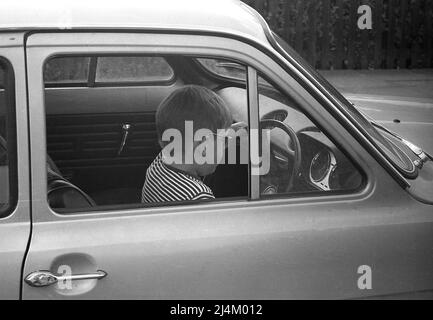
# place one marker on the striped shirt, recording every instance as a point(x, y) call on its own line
point(167, 184)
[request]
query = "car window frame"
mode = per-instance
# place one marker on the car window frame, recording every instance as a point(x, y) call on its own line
point(216, 46)
point(11, 141)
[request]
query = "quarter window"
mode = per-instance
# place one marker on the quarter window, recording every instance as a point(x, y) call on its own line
point(67, 70)
point(133, 69)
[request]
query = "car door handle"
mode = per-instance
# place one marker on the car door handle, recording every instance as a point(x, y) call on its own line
point(125, 129)
point(45, 278)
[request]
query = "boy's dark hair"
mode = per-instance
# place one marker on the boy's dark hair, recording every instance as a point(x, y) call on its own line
point(192, 103)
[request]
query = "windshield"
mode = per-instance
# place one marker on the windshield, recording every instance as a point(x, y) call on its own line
point(380, 139)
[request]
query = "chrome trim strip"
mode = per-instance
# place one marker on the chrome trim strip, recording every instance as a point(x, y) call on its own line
point(253, 112)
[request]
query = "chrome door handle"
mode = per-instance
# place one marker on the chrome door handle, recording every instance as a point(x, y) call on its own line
point(125, 128)
point(45, 278)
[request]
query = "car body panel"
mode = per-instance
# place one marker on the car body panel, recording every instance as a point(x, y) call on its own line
point(287, 247)
point(15, 228)
point(242, 251)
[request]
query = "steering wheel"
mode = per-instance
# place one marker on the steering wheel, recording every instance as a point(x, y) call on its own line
point(293, 150)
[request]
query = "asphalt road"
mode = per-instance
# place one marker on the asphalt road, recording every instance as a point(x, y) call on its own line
point(416, 83)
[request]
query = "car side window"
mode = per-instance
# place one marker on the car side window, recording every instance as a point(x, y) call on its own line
point(300, 157)
point(105, 144)
point(67, 70)
point(98, 71)
point(7, 140)
point(133, 69)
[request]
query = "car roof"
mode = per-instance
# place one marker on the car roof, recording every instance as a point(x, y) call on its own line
point(228, 16)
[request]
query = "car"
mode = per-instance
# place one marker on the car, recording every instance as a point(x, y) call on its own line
point(343, 209)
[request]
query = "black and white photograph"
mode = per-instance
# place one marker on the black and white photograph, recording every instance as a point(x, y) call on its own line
point(216, 154)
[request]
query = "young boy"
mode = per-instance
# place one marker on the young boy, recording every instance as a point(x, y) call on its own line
point(182, 180)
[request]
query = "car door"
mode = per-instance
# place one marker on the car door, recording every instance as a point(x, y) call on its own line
point(14, 184)
point(294, 246)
